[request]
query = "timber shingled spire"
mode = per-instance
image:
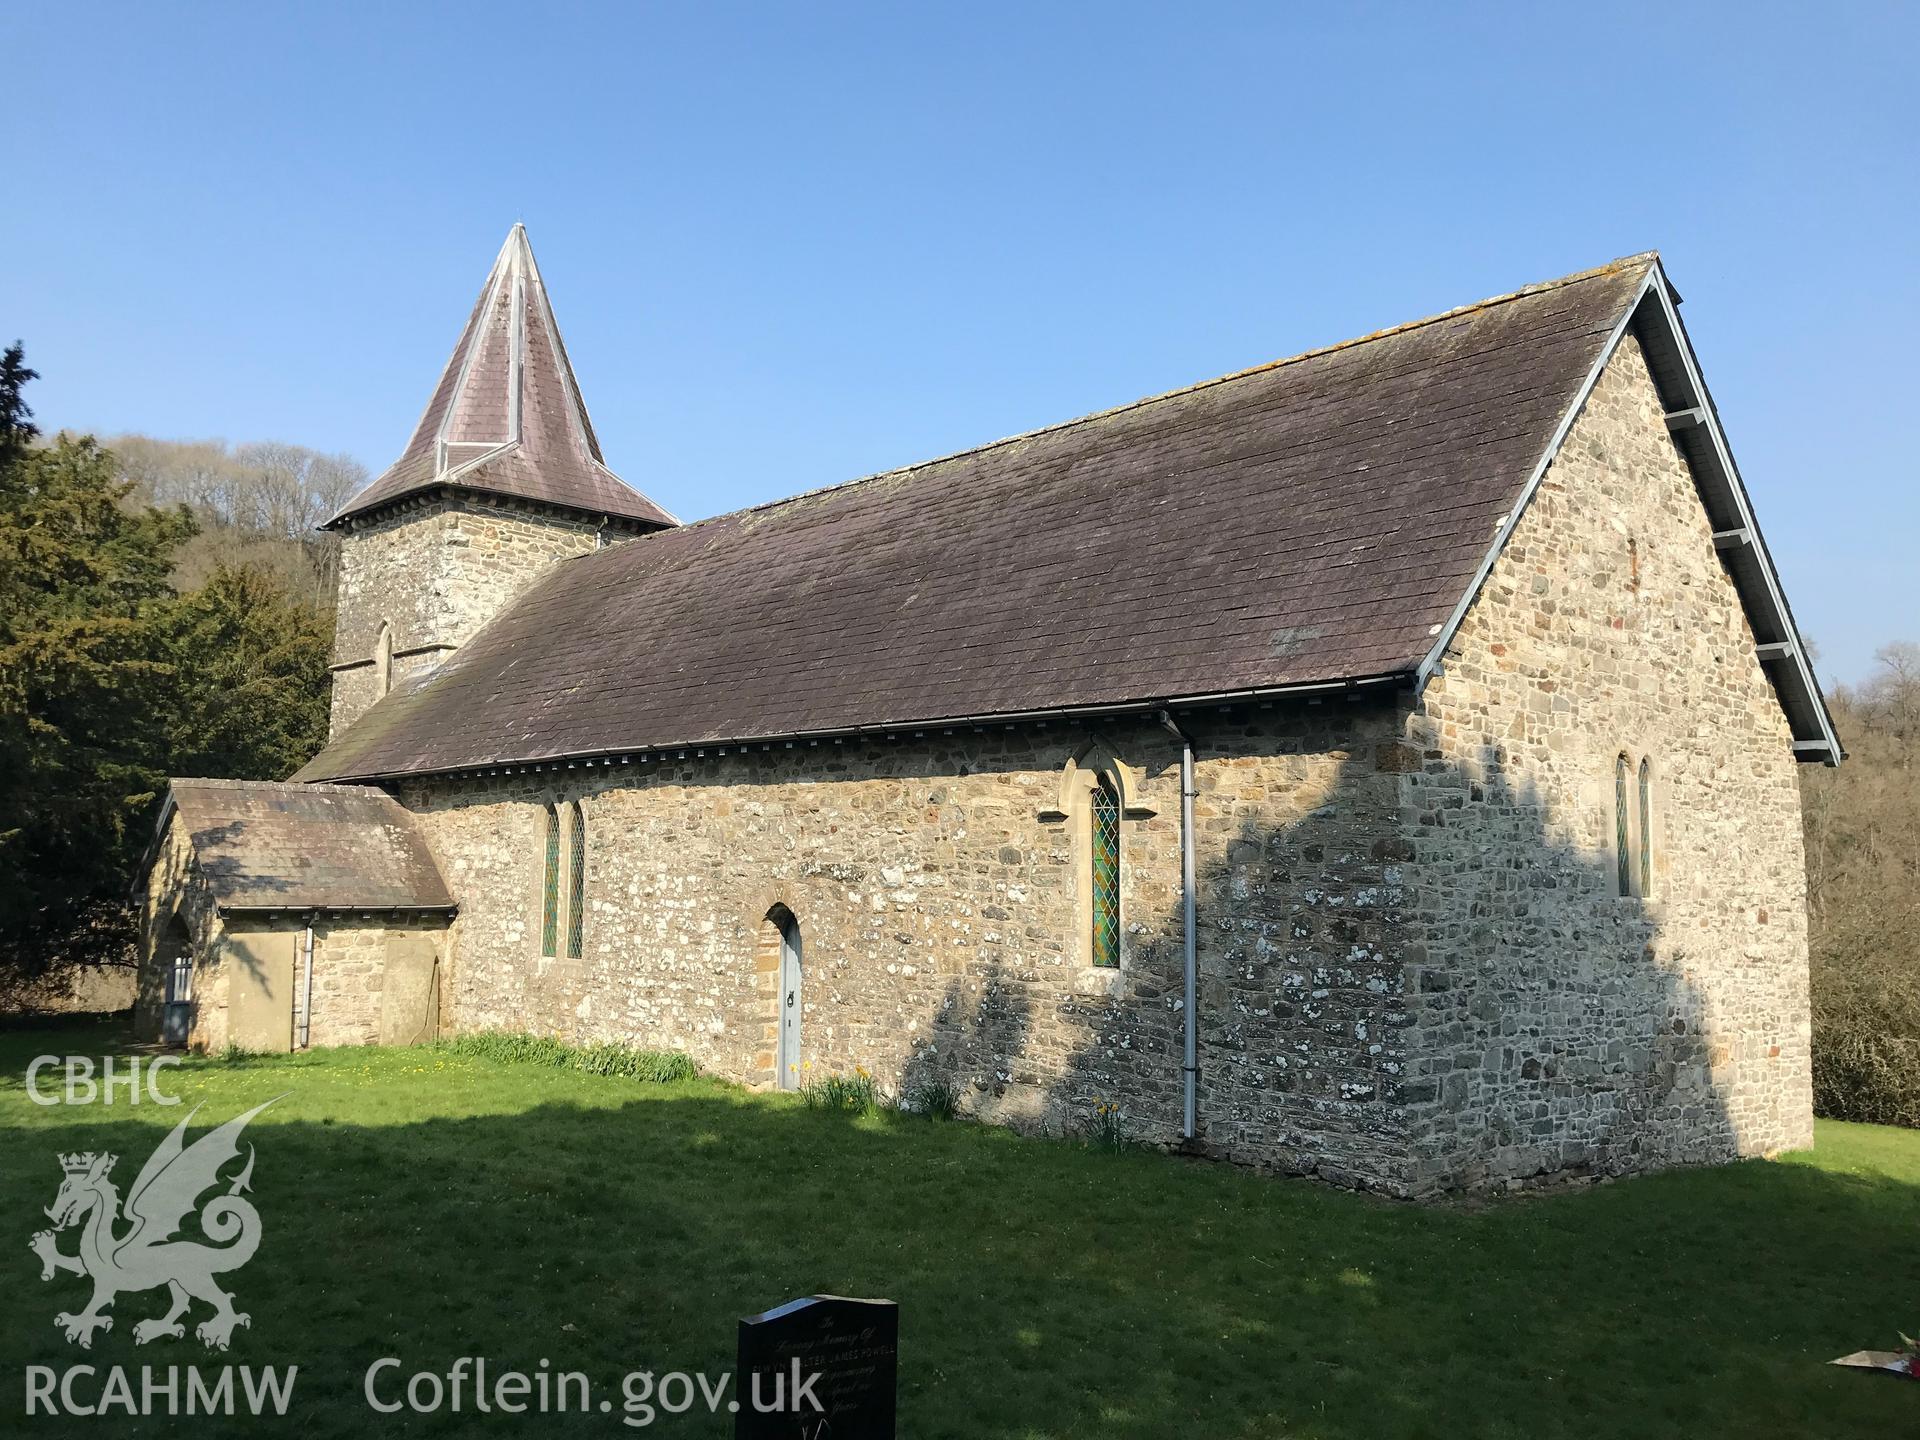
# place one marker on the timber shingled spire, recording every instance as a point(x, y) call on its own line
point(506, 418)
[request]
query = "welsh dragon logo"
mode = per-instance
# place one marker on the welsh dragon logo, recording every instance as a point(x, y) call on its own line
point(145, 1255)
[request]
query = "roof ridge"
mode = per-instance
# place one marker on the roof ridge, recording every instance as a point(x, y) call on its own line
point(215, 783)
point(1644, 257)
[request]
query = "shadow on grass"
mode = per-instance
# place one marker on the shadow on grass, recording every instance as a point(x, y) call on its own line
point(1046, 1289)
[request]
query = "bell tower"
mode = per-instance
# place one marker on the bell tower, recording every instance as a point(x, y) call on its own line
point(502, 478)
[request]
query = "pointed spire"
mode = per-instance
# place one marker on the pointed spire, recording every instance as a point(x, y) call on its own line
point(507, 417)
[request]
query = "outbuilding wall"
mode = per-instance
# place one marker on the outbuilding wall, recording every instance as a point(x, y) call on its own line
point(350, 958)
point(350, 981)
point(174, 888)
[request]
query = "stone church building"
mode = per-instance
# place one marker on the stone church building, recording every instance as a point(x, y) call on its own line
point(1378, 764)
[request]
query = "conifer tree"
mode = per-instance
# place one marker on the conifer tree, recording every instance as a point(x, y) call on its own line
point(110, 682)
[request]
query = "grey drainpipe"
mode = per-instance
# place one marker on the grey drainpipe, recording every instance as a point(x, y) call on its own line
point(306, 1002)
point(1190, 1061)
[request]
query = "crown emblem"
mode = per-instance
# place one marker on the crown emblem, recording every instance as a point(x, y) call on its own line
point(80, 1162)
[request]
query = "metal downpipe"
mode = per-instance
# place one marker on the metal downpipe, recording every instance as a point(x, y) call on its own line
point(306, 982)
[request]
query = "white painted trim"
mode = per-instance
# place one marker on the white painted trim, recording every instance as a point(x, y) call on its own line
point(648, 498)
point(501, 268)
point(473, 318)
point(1698, 403)
point(579, 421)
point(1700, 397)
point(448, 477)
point(1312, 691)
point(516, 356)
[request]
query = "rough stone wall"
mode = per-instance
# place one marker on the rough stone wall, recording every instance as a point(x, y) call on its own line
point(1303, 940)
point(349, 975)
point(936, 884)
point(173, 888)
point(72, 990)
point(1559, 1023)
point(436, 572)
point(349, 965)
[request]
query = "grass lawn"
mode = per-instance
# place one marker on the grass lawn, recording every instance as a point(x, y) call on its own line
point(429, 1206)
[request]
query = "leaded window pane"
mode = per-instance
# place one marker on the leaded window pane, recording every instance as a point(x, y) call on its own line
point(1106, 876)
point(577, 882)
point(550, 887)
point(1623, 857)
point(1646, 828)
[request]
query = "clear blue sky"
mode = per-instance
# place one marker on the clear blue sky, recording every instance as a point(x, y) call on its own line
point(790, 245)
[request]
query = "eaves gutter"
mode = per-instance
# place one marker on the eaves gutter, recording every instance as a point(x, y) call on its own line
point(1318, 689)
point(307, 908)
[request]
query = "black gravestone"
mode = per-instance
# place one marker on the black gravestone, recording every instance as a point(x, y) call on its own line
point(852, 1346)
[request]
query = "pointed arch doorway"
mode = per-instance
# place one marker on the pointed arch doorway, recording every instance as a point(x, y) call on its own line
point(791, 1000)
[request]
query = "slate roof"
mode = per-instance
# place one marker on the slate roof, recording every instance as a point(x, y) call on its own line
point(506, 418)
point(261, 845)
point(1314, 520)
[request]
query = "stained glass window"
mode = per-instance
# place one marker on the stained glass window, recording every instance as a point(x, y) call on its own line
point(576, 880)
point(1623, 856)
point(1105, 817)
point(1646, 827)
point(550, 888)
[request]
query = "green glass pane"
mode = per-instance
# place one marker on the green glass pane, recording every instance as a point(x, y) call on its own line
point(1622, 857)
point(1106, 876)
point(1646, 828)
point(550, 890)
point(576, 884)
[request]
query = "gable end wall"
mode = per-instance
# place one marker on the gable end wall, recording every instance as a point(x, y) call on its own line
point(1561, 1024)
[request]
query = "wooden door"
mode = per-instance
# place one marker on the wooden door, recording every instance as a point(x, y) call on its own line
point(790, 1006)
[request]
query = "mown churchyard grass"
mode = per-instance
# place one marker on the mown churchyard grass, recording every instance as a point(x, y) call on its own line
point(441, 1202)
